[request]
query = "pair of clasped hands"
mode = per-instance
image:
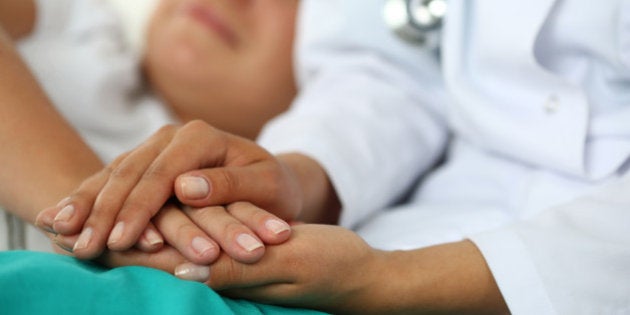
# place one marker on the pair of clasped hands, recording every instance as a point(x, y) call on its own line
point(129, 203)
point(198, 202)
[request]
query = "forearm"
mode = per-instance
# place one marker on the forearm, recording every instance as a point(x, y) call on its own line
point(320, 202)
point(448, 278)
point(17, 17)
point(43, 158)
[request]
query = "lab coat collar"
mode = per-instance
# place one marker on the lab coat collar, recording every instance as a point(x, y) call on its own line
point(531, 16)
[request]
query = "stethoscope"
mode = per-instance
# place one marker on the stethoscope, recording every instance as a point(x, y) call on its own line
point(416, 21)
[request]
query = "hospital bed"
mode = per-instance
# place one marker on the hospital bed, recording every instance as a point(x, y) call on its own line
point(44, 281)
point(15, 231)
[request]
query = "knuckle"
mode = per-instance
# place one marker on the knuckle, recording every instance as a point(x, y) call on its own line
point(229, 181)
point(197, 124)
point(110, 168)
point(166, 130)
point(156, 171)
point(162, 135)
point(206, 214)
point(247, 211)
point(86, 191)
point(197, 128)
point(102, 209)
point(184, 230)
point(194, 128)
point(238, 207)
point(104, 203)
point(118, 160)
point(122, 171)
point(137, 209)
point(235, 271)
point(231, 273)
point(232, 229)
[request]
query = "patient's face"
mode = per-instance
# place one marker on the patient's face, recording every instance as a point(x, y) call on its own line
point(206, 56)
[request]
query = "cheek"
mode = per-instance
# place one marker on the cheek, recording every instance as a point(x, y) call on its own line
point(175, 45)
point(185, 72)
point(274, 60)
point(273, 38)
point(185, 54)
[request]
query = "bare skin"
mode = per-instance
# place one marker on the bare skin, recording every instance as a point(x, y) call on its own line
point(446, 278)
point(332, 269)
point(68, 161)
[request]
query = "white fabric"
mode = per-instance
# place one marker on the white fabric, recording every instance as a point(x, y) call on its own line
point(530, 99)
point(342, 99)
point(78, 54)
point(134, 19)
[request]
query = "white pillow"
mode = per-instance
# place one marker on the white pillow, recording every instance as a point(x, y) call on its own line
point(134, 17)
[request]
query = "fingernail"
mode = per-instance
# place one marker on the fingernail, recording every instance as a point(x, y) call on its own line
point(201, 245)
point(248, 242)
point(194, 187)
point(277, 226)
point(153, 237)
point(65, 214)
point(116, 233)
point(84, 239)
point(192, 272)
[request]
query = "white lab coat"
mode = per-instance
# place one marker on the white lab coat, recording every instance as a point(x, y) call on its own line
point(529, 101)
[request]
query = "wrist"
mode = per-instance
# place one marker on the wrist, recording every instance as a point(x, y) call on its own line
point(447, 278)
point(320, 203)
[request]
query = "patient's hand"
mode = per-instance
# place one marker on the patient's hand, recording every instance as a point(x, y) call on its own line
point(323, 267)
point(114, 207)
point(240, 229)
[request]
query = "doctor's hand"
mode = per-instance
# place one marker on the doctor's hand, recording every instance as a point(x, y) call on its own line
point(224, 228)
point(204, 166)
point(334, 270)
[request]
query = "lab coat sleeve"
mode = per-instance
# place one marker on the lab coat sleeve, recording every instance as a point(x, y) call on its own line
point(369, 108)
point(572, 259)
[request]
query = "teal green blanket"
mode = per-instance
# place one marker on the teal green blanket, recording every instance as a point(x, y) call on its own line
point(39, 283)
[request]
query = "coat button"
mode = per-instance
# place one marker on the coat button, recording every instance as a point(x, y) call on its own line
point(552, 104)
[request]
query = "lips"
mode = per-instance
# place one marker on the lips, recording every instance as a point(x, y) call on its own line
point(207, 17)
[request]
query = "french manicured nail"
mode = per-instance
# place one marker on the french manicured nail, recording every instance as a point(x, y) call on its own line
point(201, 245)
point(194, 187)
point(84, 239)
point(153, 237)
point(248, 242)
point(116, 233)
point(65, 214)
point(277, 226)
point(192, 272)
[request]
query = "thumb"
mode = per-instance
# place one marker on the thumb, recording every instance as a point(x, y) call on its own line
point(226, 273)
point(264, 184)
